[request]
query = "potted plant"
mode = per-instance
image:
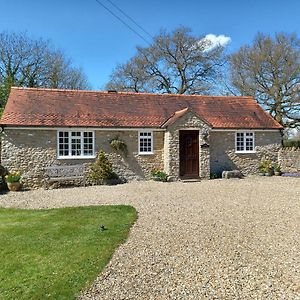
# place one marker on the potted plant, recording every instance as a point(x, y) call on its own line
point(261, 169)
point(266, 168)
point(159, 175)
point(277, 169)
point(13, 181)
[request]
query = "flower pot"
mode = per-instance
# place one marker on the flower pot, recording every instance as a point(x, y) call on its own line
point(14, 186)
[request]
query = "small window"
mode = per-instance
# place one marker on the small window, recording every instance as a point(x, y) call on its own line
point(244, 142)
point(76, 144)
point(145, 142)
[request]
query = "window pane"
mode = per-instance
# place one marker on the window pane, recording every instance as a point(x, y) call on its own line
point(244, 141)
point(145, 139)
point(63, 143)
point(75, 143)
point(88, 143)
point(76, 140)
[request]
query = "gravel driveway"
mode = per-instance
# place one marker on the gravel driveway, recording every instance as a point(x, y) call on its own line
point(217, 239)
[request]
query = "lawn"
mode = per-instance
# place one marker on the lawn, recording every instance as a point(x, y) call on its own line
point(56, 253)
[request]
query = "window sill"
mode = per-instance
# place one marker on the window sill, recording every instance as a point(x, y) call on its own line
point(245, 152)
point(146, 153)
point(76, 157)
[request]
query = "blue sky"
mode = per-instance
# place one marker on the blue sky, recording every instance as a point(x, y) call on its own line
point(96, 41)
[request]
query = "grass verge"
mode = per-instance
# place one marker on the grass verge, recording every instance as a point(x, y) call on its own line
point(55, 253)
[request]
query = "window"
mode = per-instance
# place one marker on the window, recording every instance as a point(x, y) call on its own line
point(145, 142)
point(76, 144)
point(244, 142)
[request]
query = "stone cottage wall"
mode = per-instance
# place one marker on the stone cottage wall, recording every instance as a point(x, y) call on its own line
point(30, 150)
point(132, 166)
point(289, 159)
point(171, 164)
point(223, 156)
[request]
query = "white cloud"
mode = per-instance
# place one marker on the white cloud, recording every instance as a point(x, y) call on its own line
point(217, 40)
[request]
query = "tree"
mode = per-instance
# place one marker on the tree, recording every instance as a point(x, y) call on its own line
point(269, 70)
point(173, 63)
point(34, 63)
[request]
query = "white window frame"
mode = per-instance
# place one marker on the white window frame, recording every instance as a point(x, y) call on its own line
point(139, 142)
point(70, 156)
point(244, 141)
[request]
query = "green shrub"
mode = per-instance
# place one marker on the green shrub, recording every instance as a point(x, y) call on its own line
point(118, 145)
point(101, 171)
point(266, 166)
point(291, 143)
point(13, 177)
point(3, 171)
point(159, 175)
point(276, 167)
point(215, 175)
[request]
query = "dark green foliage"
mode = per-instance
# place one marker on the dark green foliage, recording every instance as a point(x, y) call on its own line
point(118, 145)
point(3, 171)
point(266, 166)
point(215, 175)
point(159, 175)
point(276, 167)
point(101, 171)
point(291, 143)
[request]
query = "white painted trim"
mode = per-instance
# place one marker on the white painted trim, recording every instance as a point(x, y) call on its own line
point(248, 130)
point(244, 151)
point(190, 128)
point(70, 138)
point(71, 128)
point(75, 157)
point(152, 141)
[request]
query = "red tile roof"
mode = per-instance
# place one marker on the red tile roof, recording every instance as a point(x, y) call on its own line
point(49, 107)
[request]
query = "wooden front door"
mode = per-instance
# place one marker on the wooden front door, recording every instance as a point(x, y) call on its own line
point(189, 153)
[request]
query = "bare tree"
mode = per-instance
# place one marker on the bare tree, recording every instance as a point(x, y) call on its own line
point(173, 63)
point(33, 63)
point(269, 70)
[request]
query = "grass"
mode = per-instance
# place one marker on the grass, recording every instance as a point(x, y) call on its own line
point(55, 253)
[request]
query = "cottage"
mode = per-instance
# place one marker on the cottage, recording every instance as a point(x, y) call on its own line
point(189, 136)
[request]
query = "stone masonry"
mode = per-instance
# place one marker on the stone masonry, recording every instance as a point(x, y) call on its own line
point(30, 150)
point(188, 122)
point(289, 159)
point(223, 155)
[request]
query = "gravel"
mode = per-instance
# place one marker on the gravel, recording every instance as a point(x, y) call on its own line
point(217, 239)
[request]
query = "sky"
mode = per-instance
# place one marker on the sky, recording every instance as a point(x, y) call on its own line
point(96, 41)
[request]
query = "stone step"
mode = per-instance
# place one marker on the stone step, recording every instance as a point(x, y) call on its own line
point(190, 180)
